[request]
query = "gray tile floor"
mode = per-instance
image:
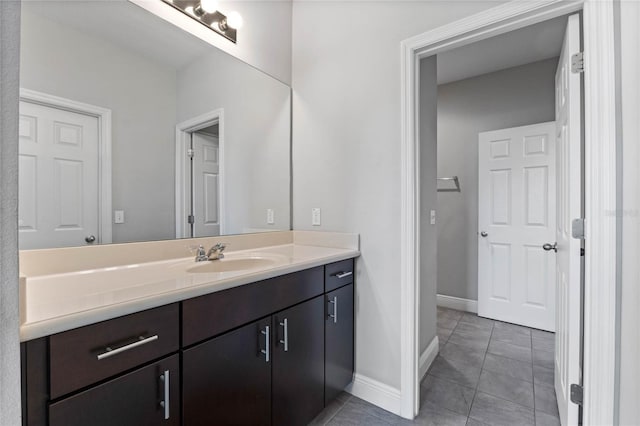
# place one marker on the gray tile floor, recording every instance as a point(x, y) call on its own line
point(487, 373)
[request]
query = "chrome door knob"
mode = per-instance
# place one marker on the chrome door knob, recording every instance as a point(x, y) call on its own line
point(549, 247)
point(483, 234)
point(90, 239)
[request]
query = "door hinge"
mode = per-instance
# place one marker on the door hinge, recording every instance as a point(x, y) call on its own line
point(190, 152)
point(191, 219)
point(577, 63)
point(581, 252)
point(576, 394)
point(577, 228)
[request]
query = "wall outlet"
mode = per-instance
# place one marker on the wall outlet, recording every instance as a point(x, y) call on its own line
point(270, 217)
point(118, 216)
point(433, 217)
point(315, 216)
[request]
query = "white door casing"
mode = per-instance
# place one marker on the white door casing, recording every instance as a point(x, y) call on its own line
point(517, 216)
point(601, 173)
point(58, 177)
point(184, 205)
point(205, 164)
point(569, 193)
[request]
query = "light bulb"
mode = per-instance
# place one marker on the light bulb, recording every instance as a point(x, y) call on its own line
point(209, 6)
point(234, 20)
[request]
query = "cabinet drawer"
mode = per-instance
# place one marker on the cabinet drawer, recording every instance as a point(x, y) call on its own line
point(213, 314)
point(338, 274)
point(147, 396)
point(89, 354)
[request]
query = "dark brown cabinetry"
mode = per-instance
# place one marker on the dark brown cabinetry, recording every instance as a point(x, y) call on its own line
point(298, 363)
point(272, 352)
point(227, 380)
point(147, 396)
point(338, 341)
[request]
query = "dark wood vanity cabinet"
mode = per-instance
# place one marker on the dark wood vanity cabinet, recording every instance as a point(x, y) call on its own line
point(147, 396)
point(227, 380)
point(270, 371)
point(298, 363)
point(273, 352)
point(338, 341)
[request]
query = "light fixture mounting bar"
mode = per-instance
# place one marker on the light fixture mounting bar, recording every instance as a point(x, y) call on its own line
point(215, 21)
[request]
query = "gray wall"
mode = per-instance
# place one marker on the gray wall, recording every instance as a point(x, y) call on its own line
point(141, 94)
point(513, 97)
point(346, 146)
point(428, 198)
point(10, 394)
point(256, 137)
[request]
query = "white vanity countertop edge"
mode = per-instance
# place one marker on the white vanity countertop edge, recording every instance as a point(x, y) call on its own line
point(57, 324)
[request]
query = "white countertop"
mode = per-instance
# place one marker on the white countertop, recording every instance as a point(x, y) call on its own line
point(59, 302)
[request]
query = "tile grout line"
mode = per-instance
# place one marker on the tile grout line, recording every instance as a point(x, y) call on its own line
point(493, 325)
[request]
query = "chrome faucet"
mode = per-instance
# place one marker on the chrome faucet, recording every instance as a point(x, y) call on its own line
point(215, 252)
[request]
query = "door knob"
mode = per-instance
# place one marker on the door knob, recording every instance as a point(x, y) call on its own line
point(483, 234)
point(549, 247)
point(90, 239)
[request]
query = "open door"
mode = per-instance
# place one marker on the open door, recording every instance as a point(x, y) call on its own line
point(205, 190)
point(569, 203)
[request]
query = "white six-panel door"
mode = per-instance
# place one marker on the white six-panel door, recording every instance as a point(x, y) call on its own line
point(517, 216)
point(568, 289)
point(206, 185)
point(58, 177)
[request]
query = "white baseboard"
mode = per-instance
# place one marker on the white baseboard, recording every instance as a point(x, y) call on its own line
point(457, 303)
point(428, 356)
point(376, 393)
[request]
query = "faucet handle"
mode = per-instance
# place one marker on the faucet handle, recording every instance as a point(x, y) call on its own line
point(201, 254)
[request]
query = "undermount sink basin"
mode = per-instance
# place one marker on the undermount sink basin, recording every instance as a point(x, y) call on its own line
point(232, 265)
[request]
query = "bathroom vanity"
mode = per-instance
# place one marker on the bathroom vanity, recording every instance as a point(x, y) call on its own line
point(266, 351)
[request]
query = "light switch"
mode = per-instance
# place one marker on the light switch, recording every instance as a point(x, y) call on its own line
point(118, 216)
point(433, 217)
point(270, 217)
point(315, 216)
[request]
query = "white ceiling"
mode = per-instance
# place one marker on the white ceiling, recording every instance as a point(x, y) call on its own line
point(126, 25)
point(523, 46)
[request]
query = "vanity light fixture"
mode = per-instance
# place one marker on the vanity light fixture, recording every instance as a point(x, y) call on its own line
point(206, 12)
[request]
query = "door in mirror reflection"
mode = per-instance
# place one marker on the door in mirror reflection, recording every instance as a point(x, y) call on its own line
point(58, 173)
point(205, 183)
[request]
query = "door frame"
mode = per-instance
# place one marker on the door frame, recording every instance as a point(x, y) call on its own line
point(182, 182)
point(103, 115)
point(600, 200)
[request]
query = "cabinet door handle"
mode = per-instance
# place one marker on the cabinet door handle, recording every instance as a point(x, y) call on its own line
point(109, 352)
point(285, 326)
point(165, 402)
point(267, 339)
point(343, 274)
point(334, 302)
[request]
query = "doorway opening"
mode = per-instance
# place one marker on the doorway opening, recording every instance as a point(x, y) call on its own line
point(599, 148)
point(200, 176)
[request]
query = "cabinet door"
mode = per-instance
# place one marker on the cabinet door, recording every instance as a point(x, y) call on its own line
point(227, 380)
point(136, 399)
point(298, 363)
point(339, 341)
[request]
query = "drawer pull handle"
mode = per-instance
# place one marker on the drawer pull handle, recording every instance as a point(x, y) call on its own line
point(285, 342)
point(335, 309)
point(343, 274)
point(267, 339)
point(111, 352)
point(165, 403)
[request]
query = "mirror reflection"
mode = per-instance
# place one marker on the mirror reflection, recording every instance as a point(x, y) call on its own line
point(133, 130)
